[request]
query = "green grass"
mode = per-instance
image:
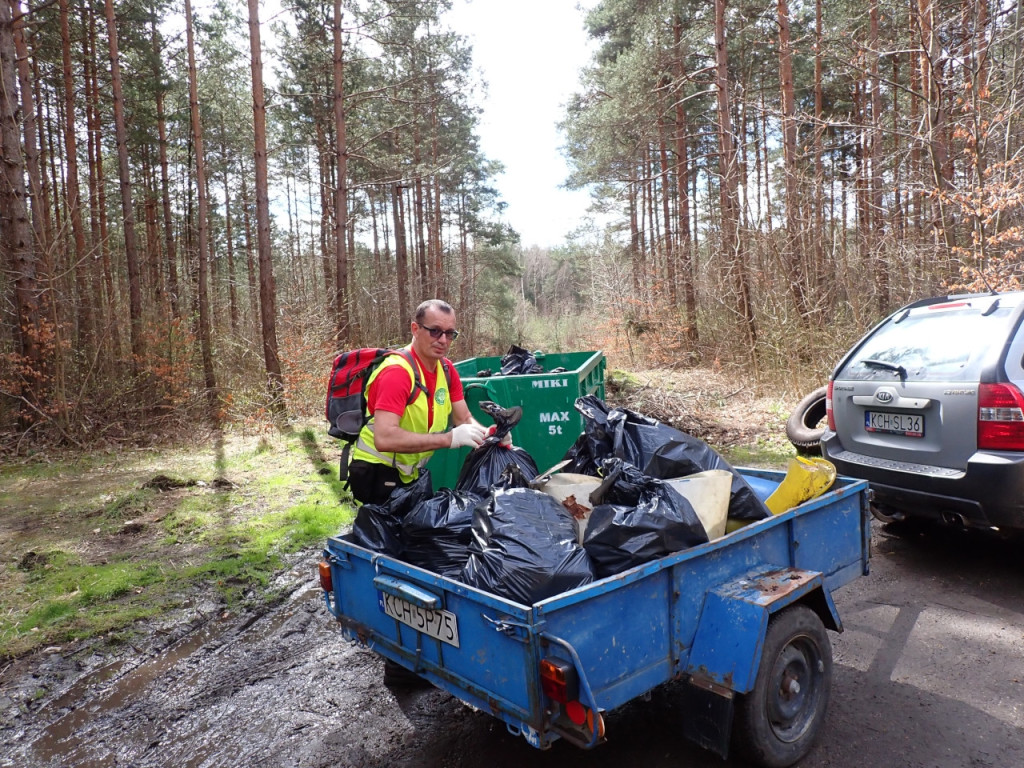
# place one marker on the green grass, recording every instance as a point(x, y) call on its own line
point(73, 573)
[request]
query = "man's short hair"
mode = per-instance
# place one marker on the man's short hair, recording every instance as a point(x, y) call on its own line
point(441, 306)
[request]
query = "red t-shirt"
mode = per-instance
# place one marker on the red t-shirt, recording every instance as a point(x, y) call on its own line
point(390, 390)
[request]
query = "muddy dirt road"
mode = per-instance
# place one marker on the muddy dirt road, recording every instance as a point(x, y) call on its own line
point(929, 672)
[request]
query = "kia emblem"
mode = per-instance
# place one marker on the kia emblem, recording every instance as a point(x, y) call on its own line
point(883, 397)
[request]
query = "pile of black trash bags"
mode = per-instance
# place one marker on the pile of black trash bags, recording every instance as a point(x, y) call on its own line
point(496, 533)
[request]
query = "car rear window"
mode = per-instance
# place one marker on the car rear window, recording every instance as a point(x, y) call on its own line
point(931, 345)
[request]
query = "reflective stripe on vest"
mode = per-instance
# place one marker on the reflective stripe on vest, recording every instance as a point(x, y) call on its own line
point(414, 419)
point(391, 459)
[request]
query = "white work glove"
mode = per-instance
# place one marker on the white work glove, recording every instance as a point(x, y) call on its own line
point(468, 434)
point(506, 441)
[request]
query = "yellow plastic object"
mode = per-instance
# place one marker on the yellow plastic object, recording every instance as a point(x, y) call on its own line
point(805, 479)
point(732, 524)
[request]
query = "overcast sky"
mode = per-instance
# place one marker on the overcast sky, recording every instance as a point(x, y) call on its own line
point(530, 53)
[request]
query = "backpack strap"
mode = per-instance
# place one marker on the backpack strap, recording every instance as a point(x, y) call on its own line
point(416, 383)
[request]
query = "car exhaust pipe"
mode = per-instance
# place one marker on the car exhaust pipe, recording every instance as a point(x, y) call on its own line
point(887, 514)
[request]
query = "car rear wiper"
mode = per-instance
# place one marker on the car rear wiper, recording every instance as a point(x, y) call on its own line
point(894, 367)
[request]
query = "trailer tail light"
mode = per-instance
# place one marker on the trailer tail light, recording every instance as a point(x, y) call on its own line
point(581, 715)
point(561, 684)
point(1000, 418)
point(558, 680)
point(325, 577)
point(828, 408)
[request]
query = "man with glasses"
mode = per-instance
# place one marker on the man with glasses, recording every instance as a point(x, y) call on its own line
point(406, 426)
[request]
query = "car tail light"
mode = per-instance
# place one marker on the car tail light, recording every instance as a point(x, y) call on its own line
point(325, 577)
point(1000, 417)
point(828, 408)
point(558, 680)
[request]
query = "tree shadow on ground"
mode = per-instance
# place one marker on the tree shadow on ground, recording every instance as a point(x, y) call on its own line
point(327, 469)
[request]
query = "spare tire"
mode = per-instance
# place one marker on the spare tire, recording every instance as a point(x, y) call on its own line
point(805, 427)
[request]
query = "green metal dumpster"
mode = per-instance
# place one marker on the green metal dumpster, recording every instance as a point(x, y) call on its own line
point(550, 423)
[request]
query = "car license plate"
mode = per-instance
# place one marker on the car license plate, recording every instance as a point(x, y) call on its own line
point(441, 625)
point(909, 424)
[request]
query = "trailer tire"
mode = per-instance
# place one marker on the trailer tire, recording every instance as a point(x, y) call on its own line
point(803, 428)
point(779, 720)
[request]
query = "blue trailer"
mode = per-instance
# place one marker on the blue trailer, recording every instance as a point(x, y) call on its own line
point(740, 620)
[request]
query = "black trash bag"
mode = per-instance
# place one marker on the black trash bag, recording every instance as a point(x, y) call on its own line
point(436, 534)
point(513, 476)
point(580, 457)
point(524, 547)
point(688, 455)
point(518, 361)
point(639, 519)
point(657, 449)
point(483, 467)
point(378, 527)
point(602, 432)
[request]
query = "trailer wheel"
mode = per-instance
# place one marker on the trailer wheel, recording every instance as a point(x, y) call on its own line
point(804, 428)
point(778, 721)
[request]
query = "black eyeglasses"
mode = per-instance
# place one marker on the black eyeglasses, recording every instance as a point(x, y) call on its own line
point(437, 333)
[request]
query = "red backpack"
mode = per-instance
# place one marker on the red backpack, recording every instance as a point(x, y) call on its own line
point(346, 389)
point(346, 393)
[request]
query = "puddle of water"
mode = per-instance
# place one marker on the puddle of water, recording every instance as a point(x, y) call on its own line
point(67, 737)
point(61, 737)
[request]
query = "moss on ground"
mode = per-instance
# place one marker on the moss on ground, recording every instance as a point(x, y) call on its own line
point(92, 544)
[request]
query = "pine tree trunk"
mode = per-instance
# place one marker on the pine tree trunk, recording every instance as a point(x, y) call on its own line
point(17, 253)
point(127, 209)
point(165, 187)
point(250, 264)
point(419, 218)
point(635, 243)
point(818, 276)
point(268, 291)
point(401, 255)
point(86, 322)
point(98, 199)
point(442, 290)
point(152, 252)
point(794, 256)
point(31, 134)
point(341, 193)
point(323, 165)
point(205, 331)
point(881, 268)
point(931, 63)
point(915, 170)
point(732, 248)
point(683, 204)
point(229, 244)
point(666, 194)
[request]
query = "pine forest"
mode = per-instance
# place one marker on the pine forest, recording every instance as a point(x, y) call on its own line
point(201, 203)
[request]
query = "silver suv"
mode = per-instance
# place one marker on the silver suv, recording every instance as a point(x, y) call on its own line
point(928, 407)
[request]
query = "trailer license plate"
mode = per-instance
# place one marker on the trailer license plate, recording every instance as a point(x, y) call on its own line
point(441, 625)
point(908, 424)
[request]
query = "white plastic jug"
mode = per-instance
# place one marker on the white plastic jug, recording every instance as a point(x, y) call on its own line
point(708, 493)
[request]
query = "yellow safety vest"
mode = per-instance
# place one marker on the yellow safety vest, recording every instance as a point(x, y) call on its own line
point(414, 419)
